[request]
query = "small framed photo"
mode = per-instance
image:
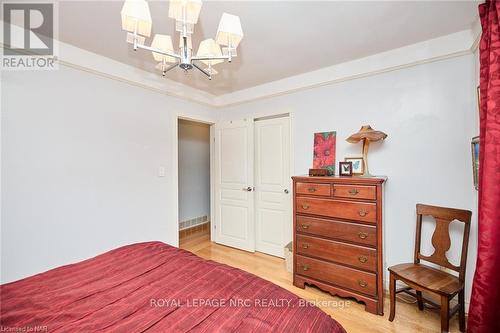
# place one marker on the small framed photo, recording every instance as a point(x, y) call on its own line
point(345, 168)
point(357, 165)
point(475, 160)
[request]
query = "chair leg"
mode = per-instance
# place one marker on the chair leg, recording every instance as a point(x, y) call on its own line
point(420, 300)
point(392, 290)
point(445, 313)
point(461, 310)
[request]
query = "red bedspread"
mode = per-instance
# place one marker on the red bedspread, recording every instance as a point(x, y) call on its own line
point(154, 287)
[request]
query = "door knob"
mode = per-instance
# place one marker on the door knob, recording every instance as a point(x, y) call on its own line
point(248, 189)
point(286, 191)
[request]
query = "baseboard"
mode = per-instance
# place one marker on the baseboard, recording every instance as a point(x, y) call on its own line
point(193, 222)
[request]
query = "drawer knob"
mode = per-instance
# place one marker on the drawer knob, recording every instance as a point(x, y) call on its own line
point(305, 206)
point(362, 283)
point(305, 267)
point(362, 235)
point(362, 213)
point(305, 246)
point(354, 191)
point(311, 189)
point(362, 259)
point(305, 226)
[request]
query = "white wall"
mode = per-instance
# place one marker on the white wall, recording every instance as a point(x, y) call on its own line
point(80, 155)
point(194, 170)
point(428, 112)
point(80, 159)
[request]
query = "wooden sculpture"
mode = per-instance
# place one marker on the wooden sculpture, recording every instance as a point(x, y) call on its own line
point(367, 135)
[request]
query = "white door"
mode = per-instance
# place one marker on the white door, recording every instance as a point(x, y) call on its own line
point(234, 196)
point(272, 184)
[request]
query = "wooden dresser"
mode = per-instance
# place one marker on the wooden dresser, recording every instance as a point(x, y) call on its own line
point(338, 237)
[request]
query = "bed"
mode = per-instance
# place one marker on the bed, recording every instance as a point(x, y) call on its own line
point(154, 287)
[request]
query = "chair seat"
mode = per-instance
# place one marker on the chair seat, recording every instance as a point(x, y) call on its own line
point(428, 278)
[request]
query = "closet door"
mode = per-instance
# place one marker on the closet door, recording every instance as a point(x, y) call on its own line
point(234, 195)
point(272, 184)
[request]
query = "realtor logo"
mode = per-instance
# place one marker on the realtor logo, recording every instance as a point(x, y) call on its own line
point(28, 36)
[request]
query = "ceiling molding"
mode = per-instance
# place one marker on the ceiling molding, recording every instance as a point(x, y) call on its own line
point(453, 45)
point(75, 57)
point(476, 31)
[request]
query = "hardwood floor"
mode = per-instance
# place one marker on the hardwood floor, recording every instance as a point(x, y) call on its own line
point(348, 312)
point(195, 231)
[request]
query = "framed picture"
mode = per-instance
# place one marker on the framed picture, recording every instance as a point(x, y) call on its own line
point(357, 165)
point(345, 168)
point(475, 160)
point(324, 151)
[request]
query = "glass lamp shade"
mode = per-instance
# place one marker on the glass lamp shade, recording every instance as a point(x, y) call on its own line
point(209, 48)
point(163, 43)
point(191, 7)
point(136, 17)
point(229, 31)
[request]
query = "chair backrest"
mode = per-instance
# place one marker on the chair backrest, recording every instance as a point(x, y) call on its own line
point(441, 236)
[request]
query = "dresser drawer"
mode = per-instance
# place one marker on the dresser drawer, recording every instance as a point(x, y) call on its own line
point(353, 255)
point(338, 275)
point(352, 232)
point(358, 211)
point(355, 191)
point(323, 190)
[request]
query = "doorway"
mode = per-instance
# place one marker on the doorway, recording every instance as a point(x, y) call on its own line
point(194, 189)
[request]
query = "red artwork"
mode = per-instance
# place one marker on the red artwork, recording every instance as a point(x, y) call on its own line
point(324, 151)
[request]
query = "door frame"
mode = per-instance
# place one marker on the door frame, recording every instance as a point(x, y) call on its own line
point(175, 169)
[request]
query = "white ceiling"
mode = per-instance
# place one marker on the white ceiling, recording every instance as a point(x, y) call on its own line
point(282, 38)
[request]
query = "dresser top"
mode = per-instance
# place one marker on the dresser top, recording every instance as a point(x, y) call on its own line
point(342, 179)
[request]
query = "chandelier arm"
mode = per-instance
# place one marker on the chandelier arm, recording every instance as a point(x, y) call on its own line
point(203, 71)
point(169, 68)
point(152, 49)
point(210, 58)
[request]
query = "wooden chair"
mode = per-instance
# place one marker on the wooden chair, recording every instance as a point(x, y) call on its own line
point(421, 277)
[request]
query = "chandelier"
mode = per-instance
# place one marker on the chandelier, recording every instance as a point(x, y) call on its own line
point(136, 20)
